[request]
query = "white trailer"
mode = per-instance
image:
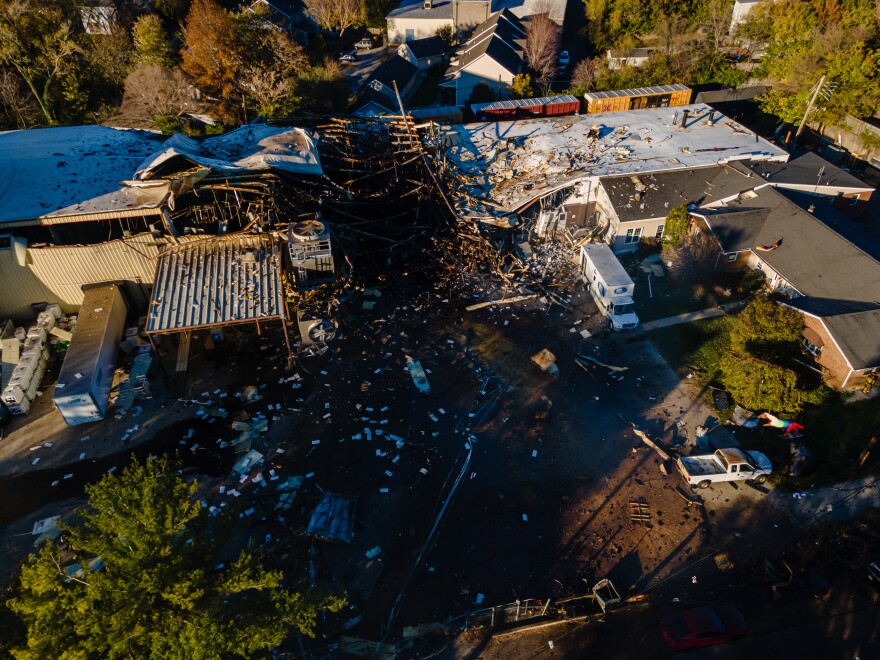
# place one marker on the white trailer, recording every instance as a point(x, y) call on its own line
point(83, 386)
point(610, 285)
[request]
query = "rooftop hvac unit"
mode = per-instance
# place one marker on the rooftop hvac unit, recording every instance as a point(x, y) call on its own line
point(311, 255)
point(315, 330)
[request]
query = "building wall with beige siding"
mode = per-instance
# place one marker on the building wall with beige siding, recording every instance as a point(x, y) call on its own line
point(55, 274)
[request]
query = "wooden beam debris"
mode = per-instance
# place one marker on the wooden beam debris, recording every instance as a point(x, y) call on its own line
point(505, 301)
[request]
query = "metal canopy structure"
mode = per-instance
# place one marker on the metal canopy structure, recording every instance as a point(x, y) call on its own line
point(218, 281)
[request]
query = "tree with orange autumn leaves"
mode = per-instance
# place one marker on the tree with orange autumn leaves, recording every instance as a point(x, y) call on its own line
point(249, 69)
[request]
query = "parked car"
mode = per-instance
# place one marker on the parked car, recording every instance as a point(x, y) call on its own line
point(703, 626)
point(348, 58)
point(725, 465)
point(366, 43)
point(564, 59)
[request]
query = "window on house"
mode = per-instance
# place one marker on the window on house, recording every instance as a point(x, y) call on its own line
point(812, 349)
point(659, 233)
point(5, 241)
point(732, 256)
point(854, 200)
point(633, 235)
point(410, 35)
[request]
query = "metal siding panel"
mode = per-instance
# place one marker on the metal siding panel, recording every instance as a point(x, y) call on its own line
point(56, 274)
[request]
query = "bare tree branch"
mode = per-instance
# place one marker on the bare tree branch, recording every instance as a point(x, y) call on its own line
point(541, 49)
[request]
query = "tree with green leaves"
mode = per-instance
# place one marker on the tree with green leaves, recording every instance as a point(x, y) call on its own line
point(802, 41)
point(172, 10)
point(151, 41)
point(762, 340)
point(152, 579)
point(765, 327)
point(761, 385)
point(522, 86)
point(482, 93)
point(37, 41)
point(447, 33)
point(676, 226)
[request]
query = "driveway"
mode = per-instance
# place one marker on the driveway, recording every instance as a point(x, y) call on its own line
point(367, 62)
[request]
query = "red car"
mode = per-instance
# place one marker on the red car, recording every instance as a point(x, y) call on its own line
point(703, 626)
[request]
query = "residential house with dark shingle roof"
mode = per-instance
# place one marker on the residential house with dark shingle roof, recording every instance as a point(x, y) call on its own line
point(832, 281)
point(424, 53)
point(376, 96)
point(493, 55)
point(635, 206)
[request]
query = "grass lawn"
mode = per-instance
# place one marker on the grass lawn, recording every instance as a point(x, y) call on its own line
point(428, 91)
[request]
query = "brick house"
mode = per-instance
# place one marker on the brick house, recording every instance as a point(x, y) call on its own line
point(833, 281)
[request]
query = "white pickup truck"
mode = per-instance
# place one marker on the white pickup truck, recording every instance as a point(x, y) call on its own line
point(724, 465)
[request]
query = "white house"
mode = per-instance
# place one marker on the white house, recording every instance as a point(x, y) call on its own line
point(635, 57)
point(741, 9)
point(493, 55)
point(420, 19)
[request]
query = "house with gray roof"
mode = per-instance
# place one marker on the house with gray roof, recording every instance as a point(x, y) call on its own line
point(493, 56)
point(376, 97)
point(811, 174)
point(424, 53)
point(832, 281)
point(635, 206)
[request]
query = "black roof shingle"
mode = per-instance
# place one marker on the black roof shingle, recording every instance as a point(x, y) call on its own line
point(429, 47)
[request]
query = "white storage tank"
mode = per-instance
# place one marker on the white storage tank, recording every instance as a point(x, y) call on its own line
point(83, 386)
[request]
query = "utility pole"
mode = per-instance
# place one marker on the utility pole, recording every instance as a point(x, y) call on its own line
point(819, 86)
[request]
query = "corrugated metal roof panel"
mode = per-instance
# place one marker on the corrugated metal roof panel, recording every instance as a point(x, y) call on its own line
point(641, 91)
point(225, 280)
point(523, 103)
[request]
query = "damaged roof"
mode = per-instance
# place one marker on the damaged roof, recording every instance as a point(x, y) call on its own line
point(812, 257)
point(645, 196)
point(253, 147)
point(505, 166)
point(217, 281)
point(54, 170)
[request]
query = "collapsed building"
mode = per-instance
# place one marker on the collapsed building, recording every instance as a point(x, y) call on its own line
point(547, 171)
point(615, 177)
point(231, 230)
